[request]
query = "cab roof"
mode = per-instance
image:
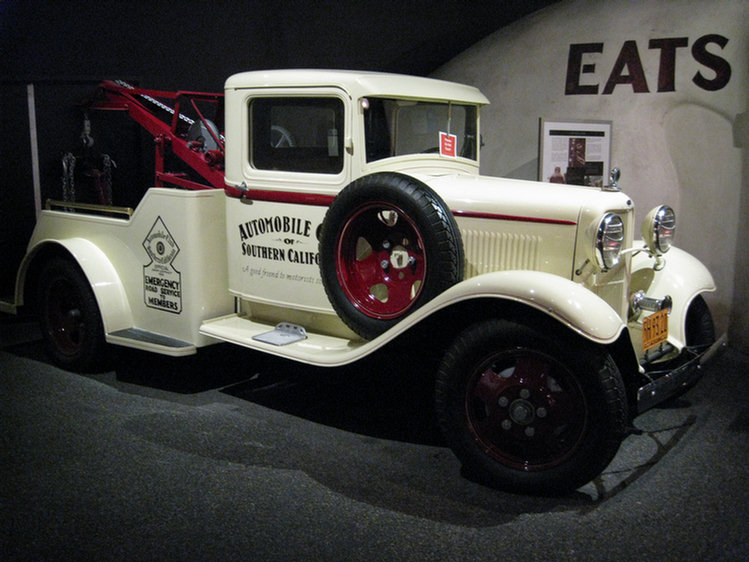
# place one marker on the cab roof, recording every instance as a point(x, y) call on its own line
point(359, 84)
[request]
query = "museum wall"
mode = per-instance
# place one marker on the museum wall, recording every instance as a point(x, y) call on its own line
point(672, 77)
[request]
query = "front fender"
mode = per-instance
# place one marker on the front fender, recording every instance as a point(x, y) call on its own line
point(109, 292)
point(570, 303)
point(683, 277)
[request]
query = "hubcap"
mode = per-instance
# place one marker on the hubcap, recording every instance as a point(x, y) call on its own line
point(522, 412)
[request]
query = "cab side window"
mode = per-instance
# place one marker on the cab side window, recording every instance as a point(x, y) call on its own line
point(297, 134)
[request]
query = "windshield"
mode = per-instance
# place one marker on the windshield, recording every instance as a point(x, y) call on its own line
point(396, 127)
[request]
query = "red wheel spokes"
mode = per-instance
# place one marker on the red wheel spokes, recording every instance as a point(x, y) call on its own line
point(367, 271)
point(381, 262)
point(526, 411)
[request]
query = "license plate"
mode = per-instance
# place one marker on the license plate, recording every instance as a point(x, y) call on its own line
point(654, 329)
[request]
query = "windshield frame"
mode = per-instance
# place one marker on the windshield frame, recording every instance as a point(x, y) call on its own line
point(446, 128)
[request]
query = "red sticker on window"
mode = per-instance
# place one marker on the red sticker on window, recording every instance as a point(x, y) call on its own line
point(448, 143)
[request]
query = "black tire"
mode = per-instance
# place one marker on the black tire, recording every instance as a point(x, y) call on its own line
point(699, 334)
point(69, 317)
point(699, 327)
point(528, 412)
point(388, 245)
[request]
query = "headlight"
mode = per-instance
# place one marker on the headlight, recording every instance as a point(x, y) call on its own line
point(658, 229)
point(609, 240)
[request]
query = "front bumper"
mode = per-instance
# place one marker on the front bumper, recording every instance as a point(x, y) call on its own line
point(666, 384)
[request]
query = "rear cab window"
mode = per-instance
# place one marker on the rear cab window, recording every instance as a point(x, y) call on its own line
point(297, 134)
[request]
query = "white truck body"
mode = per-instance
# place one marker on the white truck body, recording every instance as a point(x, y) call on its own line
point(247, 264)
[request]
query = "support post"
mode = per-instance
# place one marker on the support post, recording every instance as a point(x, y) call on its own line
point(34, 150)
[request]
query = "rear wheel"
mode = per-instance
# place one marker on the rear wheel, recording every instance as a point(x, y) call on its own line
point(527, 412)
point(69, 317)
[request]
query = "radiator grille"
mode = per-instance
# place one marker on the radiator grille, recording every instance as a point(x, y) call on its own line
point(493, 251)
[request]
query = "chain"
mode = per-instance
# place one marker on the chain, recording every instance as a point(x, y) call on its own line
point(156, 102)
point(163, 106)
point(106, 178)
point(68, 178)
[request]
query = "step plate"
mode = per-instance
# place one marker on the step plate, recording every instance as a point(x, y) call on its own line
point(284, 334)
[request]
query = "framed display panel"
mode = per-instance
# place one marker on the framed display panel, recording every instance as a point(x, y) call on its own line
point(574, 152)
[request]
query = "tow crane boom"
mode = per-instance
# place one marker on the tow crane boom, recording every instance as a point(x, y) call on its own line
point(197, 142)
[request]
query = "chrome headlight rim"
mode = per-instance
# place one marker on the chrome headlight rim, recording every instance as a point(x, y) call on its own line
point(609, 241)
point(658, 229)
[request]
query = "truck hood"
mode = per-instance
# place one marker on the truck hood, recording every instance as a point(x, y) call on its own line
point(510, 198)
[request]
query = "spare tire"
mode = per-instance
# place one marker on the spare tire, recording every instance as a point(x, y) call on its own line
point(388, 245)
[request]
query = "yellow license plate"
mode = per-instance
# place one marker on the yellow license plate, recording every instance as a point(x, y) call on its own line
point(654, 329)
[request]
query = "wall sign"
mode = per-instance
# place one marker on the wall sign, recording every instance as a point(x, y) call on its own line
point(712, 71)
point(574, 152)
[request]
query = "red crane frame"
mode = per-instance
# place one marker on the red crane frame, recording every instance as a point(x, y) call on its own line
point(145, 107)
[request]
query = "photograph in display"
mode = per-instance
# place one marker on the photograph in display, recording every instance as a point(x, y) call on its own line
point(574, 152)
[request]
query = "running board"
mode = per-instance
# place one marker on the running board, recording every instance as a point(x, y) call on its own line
point(150, 341)
point(315, 349)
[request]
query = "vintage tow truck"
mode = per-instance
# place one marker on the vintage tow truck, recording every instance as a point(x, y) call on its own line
point(322, 215)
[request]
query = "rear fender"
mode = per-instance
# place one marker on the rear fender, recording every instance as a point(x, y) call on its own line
point(108, 289)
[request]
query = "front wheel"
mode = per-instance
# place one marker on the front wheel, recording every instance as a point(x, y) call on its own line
point(699, 326)
point(69, 317)
point(528, 412)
